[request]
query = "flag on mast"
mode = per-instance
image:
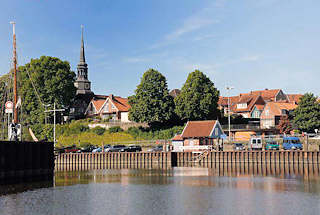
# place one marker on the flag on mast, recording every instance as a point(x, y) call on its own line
point(18, 102)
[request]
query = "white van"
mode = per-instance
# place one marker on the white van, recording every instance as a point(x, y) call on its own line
point(255, 143)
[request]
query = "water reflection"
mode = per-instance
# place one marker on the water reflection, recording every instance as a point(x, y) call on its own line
point(182, 190)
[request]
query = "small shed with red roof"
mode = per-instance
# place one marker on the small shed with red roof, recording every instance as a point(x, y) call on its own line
point(200, 135)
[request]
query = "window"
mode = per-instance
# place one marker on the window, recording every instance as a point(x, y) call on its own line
point(216, 131)
point(267, 112)
point(106, 108)
point(256, 114)
point(241, 105)
point(112, 106)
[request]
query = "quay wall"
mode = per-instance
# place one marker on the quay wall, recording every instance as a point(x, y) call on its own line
point(26, 161)
point(149, 160)
point(112, 160)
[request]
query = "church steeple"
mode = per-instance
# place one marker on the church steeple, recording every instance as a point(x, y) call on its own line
point(82, 83)
point(82, 56)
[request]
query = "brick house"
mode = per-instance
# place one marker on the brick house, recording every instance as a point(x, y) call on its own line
point(250, 105)
point(246, 103)
point(199, 136)
point(114, 108)
point(273, 111)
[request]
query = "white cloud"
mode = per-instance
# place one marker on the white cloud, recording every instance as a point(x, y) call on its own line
point(189, 25)
point(200, 20)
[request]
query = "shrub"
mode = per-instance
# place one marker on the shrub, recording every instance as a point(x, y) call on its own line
point(115, 129)
point(98, 130)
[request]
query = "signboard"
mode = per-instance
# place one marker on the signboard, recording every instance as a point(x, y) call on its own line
point(9, 107)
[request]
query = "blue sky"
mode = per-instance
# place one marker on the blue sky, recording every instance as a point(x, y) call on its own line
point(248, 44)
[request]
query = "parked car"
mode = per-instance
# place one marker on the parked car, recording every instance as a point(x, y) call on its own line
point(291, 143)
point(105, 148)
point(238, 146)
point(70, 149)
point(132, 148)
point(88, 148)
point(115, 148)
point(97, 150)
point(255, 143)
point(156, 149)
point(272, 145)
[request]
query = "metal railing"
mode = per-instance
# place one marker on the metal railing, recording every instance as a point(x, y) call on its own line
point(241, 127)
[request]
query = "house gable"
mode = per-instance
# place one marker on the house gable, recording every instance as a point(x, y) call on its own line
point(281, 96)
point(216, 130)
point(109, 107)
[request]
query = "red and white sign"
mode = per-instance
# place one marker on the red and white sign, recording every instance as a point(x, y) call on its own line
point(9, 107)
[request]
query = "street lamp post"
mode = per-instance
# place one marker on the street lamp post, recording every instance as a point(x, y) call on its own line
point(228, 89)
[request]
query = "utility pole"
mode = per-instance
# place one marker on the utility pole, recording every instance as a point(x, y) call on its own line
point(45, 112)
point(228, 89)
point(15, 93)
point(54, 120)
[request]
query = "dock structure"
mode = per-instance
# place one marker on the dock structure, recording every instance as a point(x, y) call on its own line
point(211, 159)
point(112, 160)
point(26, 161)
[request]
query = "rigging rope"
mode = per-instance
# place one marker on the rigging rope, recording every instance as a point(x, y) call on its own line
point(34, 88)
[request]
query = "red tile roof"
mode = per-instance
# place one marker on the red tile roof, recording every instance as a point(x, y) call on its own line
point(223, 101)
point(250, 100)
point(198, 129)
point(178, 137)
point(268, 95)
point(294, 98)
point(275, 108)
point(122, 104)
point(98, 103)
point(259, 107)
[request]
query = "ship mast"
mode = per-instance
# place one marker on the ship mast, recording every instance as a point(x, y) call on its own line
point(15, 92)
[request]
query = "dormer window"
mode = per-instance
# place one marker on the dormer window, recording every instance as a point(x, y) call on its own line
point(241, 105)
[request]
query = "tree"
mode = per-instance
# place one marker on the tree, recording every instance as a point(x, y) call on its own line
point(284, 125)
point(306, 117)
point(53, 82)
point(151, 102)
point(198, 99)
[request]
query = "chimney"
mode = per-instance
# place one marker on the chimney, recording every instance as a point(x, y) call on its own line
point(111, 96)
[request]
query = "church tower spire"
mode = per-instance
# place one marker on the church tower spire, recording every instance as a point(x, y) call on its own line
point(82, 55)
point(82, 83)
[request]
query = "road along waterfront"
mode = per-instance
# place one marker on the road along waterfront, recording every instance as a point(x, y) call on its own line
point(179, 190)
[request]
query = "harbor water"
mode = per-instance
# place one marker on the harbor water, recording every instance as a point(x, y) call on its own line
point(182, 190)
